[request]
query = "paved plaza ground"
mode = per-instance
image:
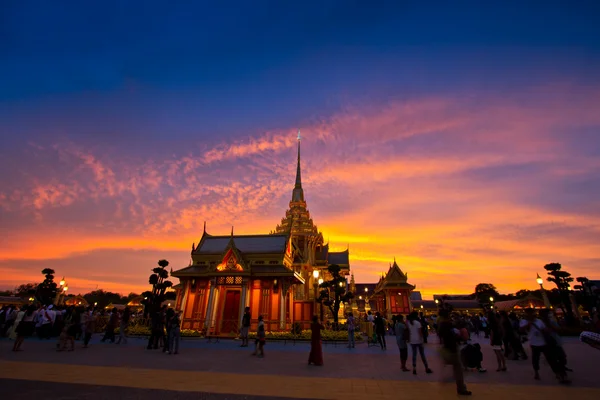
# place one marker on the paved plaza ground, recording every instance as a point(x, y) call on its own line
point(223, 370)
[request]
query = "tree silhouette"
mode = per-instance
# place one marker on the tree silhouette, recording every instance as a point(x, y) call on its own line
point(26, 289)
point(585, 293)
point(483, 292)
point(46, 291)
point(154, 298)
point(562, 280)
point(104, 298)
point(333, 292)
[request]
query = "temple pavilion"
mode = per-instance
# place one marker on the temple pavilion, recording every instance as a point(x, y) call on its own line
point(274, 274)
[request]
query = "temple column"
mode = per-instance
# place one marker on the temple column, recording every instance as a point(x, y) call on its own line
point(282, 305)
point(184, 294)
point(209, 306)
point(213, 319)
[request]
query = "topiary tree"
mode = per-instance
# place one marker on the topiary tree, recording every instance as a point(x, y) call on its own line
point(46, 291)
point(334, 292)
point(154, 298)
point(483, 293)
point(562, 280)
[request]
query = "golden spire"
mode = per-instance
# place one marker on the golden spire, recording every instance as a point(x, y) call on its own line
point(298, 193)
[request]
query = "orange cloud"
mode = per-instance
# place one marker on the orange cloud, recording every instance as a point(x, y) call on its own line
point(458, 190)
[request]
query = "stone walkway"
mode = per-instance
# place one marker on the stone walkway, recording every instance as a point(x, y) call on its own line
point(224, 368)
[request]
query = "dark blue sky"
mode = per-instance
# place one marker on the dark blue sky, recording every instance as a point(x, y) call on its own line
point(252, 65)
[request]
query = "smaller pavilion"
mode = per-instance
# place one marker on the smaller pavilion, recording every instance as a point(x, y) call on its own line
point(391, 295)
point(76, 301)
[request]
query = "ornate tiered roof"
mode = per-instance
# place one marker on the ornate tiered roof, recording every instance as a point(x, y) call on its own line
point(394, 279)
point(297, 220)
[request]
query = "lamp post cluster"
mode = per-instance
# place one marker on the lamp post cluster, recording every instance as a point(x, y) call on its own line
point(317, 283)
point(540, 282)
point(61, 292)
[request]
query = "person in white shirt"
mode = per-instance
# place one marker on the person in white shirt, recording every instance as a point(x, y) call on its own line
point(416, 342)
point(47, 317)
point(538, 337)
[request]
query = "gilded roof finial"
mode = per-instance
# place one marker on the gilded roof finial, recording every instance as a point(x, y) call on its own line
point(204, 227)
point(298, 193)
point(231, 230)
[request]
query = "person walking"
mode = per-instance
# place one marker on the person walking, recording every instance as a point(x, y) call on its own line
point(174, 333)
point(89, 320)
point(9, 320)
point(261, 338)
point(245, 327)
point(113, 321)
point(12, 333)
point(516, 343)
point(483, 323)
point(496, 340)
point(416, 342)
point(157, 331)
point(557, 351)
point(401, 331)
point(351, 327)
point(541, 342)
point(424, 326)
point(379, 323)
point(125, 317)
point(26, 327)
point(316, 351)
point(449, 351)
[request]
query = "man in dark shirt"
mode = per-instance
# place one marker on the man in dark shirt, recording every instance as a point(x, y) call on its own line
point(245, 327)
point(449, 341)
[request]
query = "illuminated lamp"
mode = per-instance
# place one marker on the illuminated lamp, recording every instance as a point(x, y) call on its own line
point(539, 280)
point(321, 281)
point(316, 274)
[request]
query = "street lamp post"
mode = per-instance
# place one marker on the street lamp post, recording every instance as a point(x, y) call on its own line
point(315, 286)
point(540, 282)
point(492, 301)
point(64, 293)
point(574, 306)
point(321, 303)
point(61, 291)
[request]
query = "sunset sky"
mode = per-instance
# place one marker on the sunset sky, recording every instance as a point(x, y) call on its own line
point(464, 141)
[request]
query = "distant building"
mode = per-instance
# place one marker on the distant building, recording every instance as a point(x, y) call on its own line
point(452, 297)
point(416, 295)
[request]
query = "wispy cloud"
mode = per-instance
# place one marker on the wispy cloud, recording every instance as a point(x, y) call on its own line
point(453, 187)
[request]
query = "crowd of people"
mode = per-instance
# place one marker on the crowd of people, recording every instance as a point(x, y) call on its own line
point(506, 333)
point(72, 323)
